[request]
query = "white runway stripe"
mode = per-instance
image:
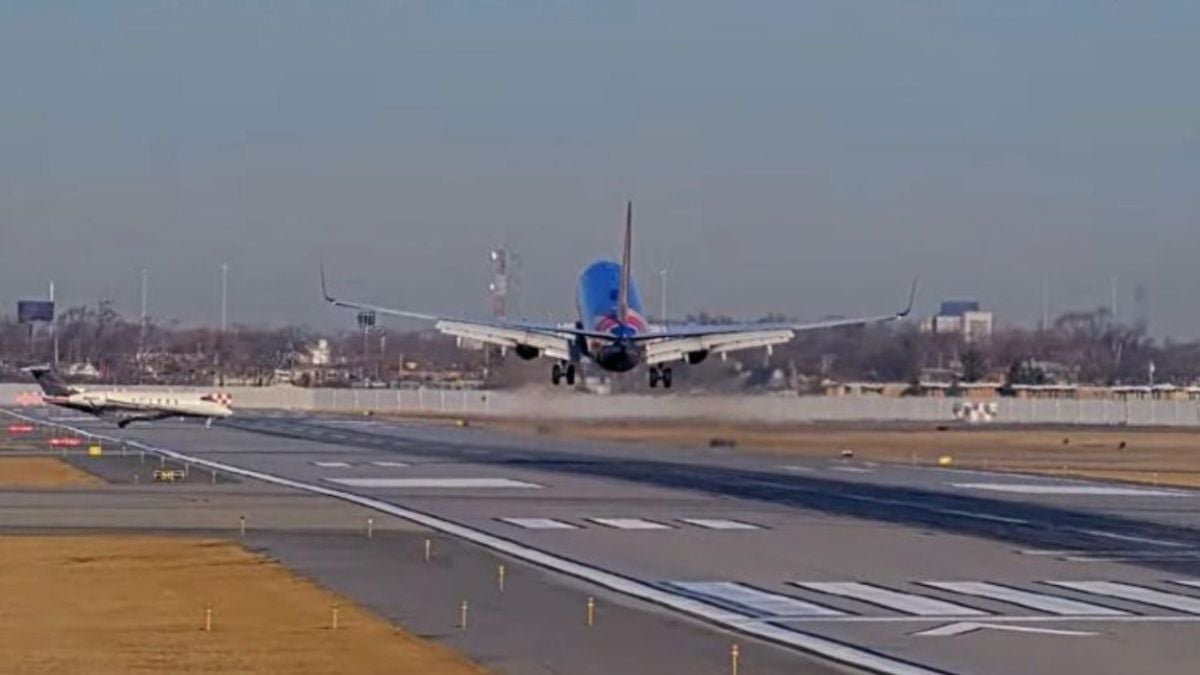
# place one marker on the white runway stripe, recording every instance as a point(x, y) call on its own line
point(1147, 596)
point(752, 600)
point(720, 524)
point(1050, 604)
point(539, 523)
point(1135, 540)
point(629, 523)
point(391, 465)
point(908, 603)
point(432, 483)
point(332, 465)
point(1094, 490)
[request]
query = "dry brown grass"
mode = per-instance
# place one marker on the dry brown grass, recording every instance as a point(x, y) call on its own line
point(109, 605)
point(42, 472)
point(1166, 456)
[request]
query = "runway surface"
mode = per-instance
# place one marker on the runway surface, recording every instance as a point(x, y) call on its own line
point(893, 568)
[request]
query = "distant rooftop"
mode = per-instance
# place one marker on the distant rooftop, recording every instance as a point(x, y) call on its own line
point(958, 307)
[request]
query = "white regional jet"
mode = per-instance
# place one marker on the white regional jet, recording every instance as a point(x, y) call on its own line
point(127, 407)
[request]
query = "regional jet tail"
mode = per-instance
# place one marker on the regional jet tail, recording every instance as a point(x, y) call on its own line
point(611, 330)
point(127, 407)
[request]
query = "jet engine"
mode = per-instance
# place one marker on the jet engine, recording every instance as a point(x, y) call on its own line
point(527, 352)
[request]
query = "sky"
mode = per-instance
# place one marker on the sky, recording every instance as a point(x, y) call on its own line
point(808, 158)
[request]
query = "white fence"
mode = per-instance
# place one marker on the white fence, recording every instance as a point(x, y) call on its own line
point(566, 404)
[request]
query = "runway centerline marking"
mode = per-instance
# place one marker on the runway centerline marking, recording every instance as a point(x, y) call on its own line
point(332, 465)
point(850, 469)
point(1074, 490)
point(967, 627)
point(434, 483)
point(390, 464)
point(1133, 539)
point(933, 509)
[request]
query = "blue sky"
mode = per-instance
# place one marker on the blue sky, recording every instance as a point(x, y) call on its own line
point(808, 158)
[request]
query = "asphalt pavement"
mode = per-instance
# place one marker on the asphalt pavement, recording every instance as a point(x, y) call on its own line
point(892, 568)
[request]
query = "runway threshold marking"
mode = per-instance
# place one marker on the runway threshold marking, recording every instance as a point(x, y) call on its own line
point(539, 523)
point(720, 524)
point(1051, 604)
point(630, 523)
point(784, 635)
point(908, 603)
point(752, 601)
point(1146, 596)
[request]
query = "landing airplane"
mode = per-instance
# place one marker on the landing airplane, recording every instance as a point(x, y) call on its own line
point(128, 407)
point(612, 331)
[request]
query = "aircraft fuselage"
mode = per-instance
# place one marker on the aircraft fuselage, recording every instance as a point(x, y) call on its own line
point(597, 299)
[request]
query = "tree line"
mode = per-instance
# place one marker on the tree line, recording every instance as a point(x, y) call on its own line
point(1086, 347)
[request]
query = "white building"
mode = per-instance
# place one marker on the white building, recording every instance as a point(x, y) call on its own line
point(960, 317)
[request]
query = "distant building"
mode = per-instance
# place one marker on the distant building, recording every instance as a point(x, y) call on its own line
point(960, 317)
point(320, 353)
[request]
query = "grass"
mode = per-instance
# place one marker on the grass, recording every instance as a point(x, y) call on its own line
point(109, 605)
point(42, 472)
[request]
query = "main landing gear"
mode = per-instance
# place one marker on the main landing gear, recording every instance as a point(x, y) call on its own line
point(660, 375)
point(563, 371)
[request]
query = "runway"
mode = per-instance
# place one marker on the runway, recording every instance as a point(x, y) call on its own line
point(892, 568)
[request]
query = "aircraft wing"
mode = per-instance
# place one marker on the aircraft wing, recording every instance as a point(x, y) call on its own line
point(552, 340)
point(556, 346)
point(676, 344)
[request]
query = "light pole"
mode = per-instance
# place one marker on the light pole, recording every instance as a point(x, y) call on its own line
point(145, 290)
point(141, 352)
point(662, 287)
point(224, 296)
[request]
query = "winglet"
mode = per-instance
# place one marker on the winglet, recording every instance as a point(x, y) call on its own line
point(324, 289)
point(912, 297)
point(626, 266)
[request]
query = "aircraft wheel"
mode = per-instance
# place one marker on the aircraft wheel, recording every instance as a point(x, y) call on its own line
point(556, 374)
point(571, 375)
point(666, 378)
point(654, 376)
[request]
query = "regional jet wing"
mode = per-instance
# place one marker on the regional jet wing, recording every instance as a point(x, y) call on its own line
point(676, 344)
